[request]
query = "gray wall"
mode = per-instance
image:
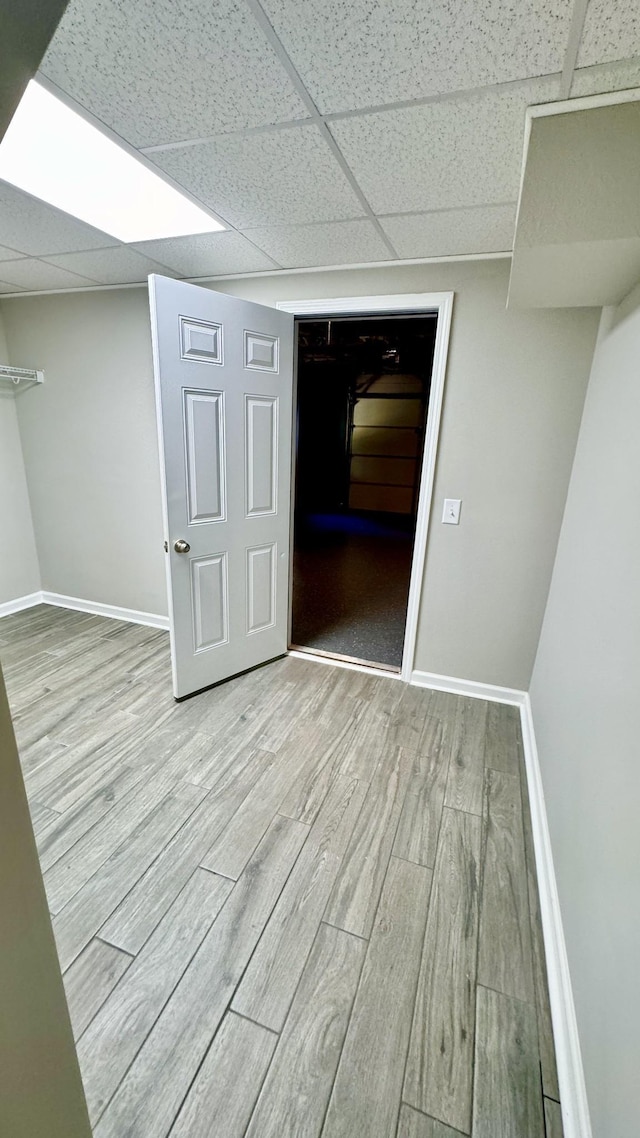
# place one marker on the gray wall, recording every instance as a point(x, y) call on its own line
point(40, 1089)
point(585, 702)
point(513, 400)
point(89, 441)
point(19, 570)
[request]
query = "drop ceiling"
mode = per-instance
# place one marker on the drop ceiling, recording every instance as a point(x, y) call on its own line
point(346, 132)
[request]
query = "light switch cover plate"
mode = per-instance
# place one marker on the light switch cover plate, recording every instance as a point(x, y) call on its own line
point(451, 511)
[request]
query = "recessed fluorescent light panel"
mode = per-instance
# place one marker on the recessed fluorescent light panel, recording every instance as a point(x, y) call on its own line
point(54, 154)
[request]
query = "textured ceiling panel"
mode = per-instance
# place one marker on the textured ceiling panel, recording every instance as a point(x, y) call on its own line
point(208, 254)
point(610, 77)
point(36, 229)
point(487, 229)
point(339, 243)
point(362, 53)
point(110, 266)
point(159, 71)
point(9, 254)
point(269, 178)
point(611, 31)
point(441, 155)
point(36, 275)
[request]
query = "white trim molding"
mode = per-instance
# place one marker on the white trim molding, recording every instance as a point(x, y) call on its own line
point(440, 303)
point(20, 603)
point(573, 1092)
point(95, 608)
point(468, 687)
point(114, 612)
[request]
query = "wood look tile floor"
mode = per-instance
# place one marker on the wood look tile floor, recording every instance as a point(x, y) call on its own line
point(303, 903)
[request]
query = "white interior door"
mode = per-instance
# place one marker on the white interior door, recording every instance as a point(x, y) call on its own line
point(224, 381)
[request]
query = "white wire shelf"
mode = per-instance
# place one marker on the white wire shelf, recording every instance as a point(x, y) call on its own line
point(18, 375)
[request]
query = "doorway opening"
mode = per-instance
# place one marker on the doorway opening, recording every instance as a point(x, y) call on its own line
point(363, 385)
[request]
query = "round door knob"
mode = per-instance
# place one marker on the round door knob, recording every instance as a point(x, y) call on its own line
point(181, 546)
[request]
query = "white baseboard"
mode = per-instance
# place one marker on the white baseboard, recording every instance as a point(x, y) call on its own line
point(468, 687)
point(133, 616)
point(20, 603)
point(573, 1094)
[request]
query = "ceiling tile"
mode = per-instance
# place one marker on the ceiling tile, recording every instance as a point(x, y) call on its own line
point(157, 71)
point(32, 274)
point(6, 287)
point(361, 54)
point(610, 77)
point(9, 254)
point(611, 31)
point(269, 178)
point(38, 230)
point(486, 229)
point(208, 254)
point(337, 243)
point(441, 155)
point(109, 266)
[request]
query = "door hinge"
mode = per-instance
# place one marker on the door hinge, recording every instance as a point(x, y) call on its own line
point(166, 546)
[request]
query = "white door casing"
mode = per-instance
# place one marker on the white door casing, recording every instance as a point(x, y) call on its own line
point(440, 303)
point(224, 377)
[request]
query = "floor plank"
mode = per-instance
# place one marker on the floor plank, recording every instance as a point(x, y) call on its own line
point(181, 1035)
point(507, 1101)
point(67, 828)
point(413, 1124)
point(225, 1089)
point(87, 911)
point(439, 1075)
point(328, 744)
point(41, 816)
point(553, 1119)
point(417, 834)
point(74, 868)
point(502, 738)
point(465, 733)
point(117, 1033)
point(504, 954)
point(136, 917)
point(367, 1090)
point(91, 979)
point(231, 850)
point(296, 1091)
point(71, 772)
point(354, 899)
point(269, 984)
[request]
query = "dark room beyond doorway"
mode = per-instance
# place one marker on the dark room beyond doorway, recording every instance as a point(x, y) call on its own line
point(363, 394)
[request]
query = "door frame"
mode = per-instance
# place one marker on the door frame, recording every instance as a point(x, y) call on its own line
point(440, 303)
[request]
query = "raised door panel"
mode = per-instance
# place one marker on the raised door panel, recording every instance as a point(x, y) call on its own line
point(204, 456)
point(209, 602)
point(201, 341)
point(261, 442)
point(261, 587)
point(260, 351)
